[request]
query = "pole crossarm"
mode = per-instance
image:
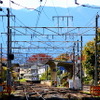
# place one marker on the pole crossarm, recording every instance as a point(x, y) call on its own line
point(47, 27)
point(38, 53)
point(51, 29)
point(7, 15)
point(69, 34)
point(46, 41)
point(40, 47)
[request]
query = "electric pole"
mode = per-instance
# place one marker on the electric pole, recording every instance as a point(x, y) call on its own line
point(95, 79)
point(81, 69)
point(9, 55)
point(74, 58)
point(97, 69)
point(8, 48)
point(1, 63)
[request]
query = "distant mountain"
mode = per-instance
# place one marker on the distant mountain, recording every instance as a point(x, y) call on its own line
point(81, 15)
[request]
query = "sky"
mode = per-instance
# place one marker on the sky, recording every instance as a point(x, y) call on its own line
point(33, 18)
point(57, 3)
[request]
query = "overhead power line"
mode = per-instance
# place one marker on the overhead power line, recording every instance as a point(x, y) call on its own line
point(93, 7)
point(24, 6)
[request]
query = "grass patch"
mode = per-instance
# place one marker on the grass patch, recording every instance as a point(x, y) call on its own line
point(22, 80)
point(85, 92)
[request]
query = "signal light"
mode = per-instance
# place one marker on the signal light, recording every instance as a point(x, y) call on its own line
point(11, 56)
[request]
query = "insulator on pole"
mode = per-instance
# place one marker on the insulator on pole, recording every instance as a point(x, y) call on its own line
point(1, 1)
point(40, 0)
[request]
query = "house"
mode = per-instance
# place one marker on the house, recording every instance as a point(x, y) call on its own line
point(31, 72)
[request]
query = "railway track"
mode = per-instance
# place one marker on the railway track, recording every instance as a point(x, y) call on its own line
point(28, 91)
point(46, 92)
point(36, 91)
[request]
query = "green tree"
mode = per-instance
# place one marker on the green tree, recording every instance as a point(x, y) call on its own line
point(46, 75)
point(89, 62)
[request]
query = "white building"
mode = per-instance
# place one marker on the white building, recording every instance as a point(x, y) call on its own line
point(31, 72)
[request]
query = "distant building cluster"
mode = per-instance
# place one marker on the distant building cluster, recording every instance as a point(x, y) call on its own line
point(31, 72)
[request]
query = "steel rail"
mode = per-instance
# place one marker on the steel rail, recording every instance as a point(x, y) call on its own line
point(38, 94)
point(26, 87)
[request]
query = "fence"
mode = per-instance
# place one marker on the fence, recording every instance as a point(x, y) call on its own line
point(95, 90)
point(4, 89)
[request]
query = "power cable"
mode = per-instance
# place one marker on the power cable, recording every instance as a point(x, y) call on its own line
point(55, 8)
point(27, 27)
point(30, 43)
point(24, 6)
point(42, 7)
point(21, 32)
point(14, 20)
point(88, 6)
point(40, 14)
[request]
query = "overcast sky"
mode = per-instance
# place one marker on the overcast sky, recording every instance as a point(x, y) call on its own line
point(56, 3)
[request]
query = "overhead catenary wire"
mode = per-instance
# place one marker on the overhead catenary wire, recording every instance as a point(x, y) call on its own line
point(24, 25)
point(39, 15)
point(54, 8)
point(18, 31)
point(78, 34)
point(28, 28)
point(33, 31)
point(34, 45)
point(88, 6)
point(50, 29)
point(24, 6)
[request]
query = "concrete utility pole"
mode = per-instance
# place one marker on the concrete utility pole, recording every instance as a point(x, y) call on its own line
point(1, 62)
point(96, 67)
point(97, 53)
point(9, 55)
point(81, 69)
point(77, 66)
point(1, 53)
point(74, 65)
point(8, 48)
